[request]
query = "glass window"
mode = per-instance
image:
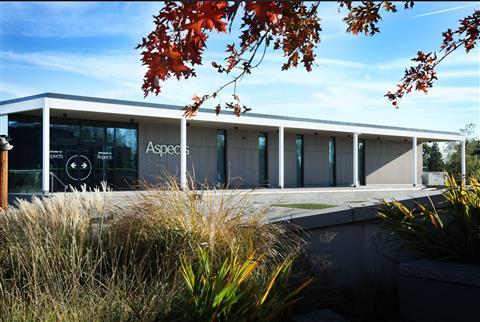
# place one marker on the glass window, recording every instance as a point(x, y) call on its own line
point(110, 134)
point(361, 162)
point(81, 152)
point(221, 157)
point(92, 134)
point(25, 160)
point(125, 156)
point(263, 160)
point(64, 132)
point(299, 160)
point(332, 170)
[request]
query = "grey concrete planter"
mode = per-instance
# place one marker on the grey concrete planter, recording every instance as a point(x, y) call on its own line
point(435, 291)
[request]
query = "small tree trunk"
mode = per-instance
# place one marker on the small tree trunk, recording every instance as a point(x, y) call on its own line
point(4, 179)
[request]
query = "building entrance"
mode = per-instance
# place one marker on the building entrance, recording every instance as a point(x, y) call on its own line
point(82, 152)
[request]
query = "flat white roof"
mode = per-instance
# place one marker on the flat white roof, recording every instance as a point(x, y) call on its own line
point(151, 110)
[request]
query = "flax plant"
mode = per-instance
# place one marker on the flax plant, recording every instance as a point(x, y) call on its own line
point(447, 231)
point(227, 294)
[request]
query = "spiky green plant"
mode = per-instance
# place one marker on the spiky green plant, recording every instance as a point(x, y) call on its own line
point(230, 292)
point(449, 231)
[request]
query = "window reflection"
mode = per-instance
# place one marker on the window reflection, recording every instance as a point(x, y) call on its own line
point(299, 160)
point(263, 161)
point(221, 157)
point(332, 173)
point(81, 152)
point(25, 160)
point(126, 143)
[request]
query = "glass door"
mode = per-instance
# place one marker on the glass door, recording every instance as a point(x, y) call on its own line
point(90, 152)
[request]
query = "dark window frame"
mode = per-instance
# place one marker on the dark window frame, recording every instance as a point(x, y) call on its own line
point(362, 176)
point(332, 164)
point(223, 158)
point(300, 182)
point(265, 160)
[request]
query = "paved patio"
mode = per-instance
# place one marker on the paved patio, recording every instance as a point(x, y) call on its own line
point(263, 197)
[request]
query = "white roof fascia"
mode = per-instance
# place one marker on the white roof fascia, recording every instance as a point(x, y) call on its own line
point(244, 119)
point(109, 108)
point(122, 109)
point(23, 106)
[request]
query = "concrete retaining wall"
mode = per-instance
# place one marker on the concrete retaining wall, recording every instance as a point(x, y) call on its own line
point(434, 291)
point(351, 241)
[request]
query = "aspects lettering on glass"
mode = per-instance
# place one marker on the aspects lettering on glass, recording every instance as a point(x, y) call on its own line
point(104, 155)
point(56, 154)
point(164, 149)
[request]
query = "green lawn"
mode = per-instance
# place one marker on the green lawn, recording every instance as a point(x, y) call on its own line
point(307, 206)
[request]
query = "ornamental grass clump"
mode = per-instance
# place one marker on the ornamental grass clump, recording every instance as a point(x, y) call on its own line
point(76, 257)
point(447, 231)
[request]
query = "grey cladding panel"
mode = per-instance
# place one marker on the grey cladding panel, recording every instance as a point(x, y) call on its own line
point(385, 161)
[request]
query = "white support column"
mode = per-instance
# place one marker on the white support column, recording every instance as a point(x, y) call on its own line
point(183, 153)
point(4, 124)
point(281, 171)
point(46, 147)
point(463, 161)
point(414, 148)
point(355, 159)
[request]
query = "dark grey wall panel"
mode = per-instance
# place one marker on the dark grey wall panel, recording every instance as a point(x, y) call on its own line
point(151, 166)
point(242, 157)
point(344, 161)
point(289, 163)
point(316, 160)
point(386, 162)
point(202, 157)
point(273, 158)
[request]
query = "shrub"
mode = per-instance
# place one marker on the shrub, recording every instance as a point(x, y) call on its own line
point(75, 257)
point(232, 292)
point(450, 231)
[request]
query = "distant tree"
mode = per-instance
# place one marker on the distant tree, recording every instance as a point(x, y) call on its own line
point(432, 157)
point(472, 153)
point(176, 45)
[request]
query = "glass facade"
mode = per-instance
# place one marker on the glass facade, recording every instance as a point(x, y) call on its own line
point(299, 160)
point(221, 157)
point(81, 152)
point(332, 168)
point(361, 162)
point(25, 160)
point(262, 159)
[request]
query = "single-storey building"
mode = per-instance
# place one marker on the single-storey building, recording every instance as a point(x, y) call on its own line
point(61, 140)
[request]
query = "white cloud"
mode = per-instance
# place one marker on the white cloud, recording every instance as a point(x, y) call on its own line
point(118, 69)
point(78, 19)
point(336, 89)
point(445, 10)
point(15, 90)
point(460, 74)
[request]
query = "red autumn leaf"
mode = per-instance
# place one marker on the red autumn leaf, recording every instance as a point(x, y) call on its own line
point(178, 42)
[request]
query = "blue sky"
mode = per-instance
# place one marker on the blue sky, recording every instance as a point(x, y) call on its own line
point(88, 49)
